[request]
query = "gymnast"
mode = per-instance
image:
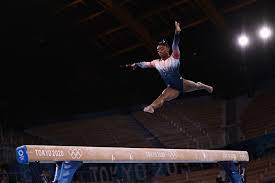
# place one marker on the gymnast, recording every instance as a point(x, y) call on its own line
point(168, 67)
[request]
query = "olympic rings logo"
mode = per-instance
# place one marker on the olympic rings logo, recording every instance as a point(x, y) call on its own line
point(172, 154)
point(21, 154)
point(75, 153)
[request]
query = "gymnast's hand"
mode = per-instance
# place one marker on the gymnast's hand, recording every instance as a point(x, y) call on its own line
point(132, 66)
point(177, 27)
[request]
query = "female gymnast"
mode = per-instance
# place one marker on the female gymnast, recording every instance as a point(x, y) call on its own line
point(168, 67)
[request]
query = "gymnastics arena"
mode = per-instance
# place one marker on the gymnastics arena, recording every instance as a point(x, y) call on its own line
point(137, 91)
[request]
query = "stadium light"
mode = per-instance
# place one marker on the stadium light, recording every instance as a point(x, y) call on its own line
point(265, 32)
point(243, 40)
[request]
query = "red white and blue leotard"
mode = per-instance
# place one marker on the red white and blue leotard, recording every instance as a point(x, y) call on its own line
point(169, 68)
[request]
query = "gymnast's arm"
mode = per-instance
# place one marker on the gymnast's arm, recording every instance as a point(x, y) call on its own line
point(175, 45)
point(143, 65)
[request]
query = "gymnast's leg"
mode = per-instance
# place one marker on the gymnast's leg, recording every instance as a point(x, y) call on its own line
point(167, 95)
point(190, 86)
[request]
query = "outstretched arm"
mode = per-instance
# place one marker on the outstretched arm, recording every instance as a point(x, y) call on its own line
point(175, 45)
point(143, 65)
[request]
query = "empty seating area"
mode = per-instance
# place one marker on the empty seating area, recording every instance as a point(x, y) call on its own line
point(208, 114)
point(10, 139)
point(187, 123)
point(258, 119)
point(13, 138)
point(115, 130)
point(166, 132)
point(261, 170)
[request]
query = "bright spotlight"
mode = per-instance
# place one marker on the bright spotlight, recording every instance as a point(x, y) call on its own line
point(265, 32)
point(243, 40)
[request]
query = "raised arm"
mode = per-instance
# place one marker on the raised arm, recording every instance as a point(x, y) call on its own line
point(175, 45)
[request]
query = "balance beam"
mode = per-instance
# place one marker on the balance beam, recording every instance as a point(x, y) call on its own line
point(69, 158)
point(50, 154)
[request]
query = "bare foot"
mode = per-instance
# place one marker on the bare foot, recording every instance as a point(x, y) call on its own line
point(206, 87)
point(149, 109)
